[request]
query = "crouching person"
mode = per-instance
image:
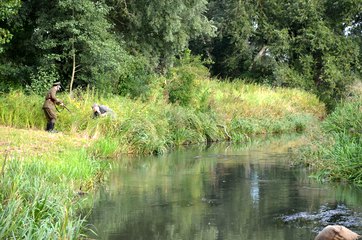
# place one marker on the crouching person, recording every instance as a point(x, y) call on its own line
point(101, 111)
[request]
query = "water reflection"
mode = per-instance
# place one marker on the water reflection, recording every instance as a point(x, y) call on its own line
point(223, 192)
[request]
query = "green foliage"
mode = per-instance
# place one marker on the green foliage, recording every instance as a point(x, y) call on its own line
point(21, 110)
point(294, 43)
point(346, 119)
point(12, 76)
point(181, 83)
point(144, 136)
point(117, 46)
point(160, 30)
point(84, 34)
point(242, 128)
point(286, 76)
point(335, 153)
point(180, 87)
point(135, 78)
point(37, 199)
point(65, 36)
point(42, 80)
point(7, 8)
point(217, 112)
point(188, 126)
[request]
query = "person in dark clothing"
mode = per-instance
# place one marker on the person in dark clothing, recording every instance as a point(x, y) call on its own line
point(101, 111)
point(49, 106)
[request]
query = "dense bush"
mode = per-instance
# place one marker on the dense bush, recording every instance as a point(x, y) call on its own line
point(180, 84)
point(135, 78)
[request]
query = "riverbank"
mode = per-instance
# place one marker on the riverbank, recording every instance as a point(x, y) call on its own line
point(45, 176)
point(43, 179)
point(334, 151)
point(218, 111)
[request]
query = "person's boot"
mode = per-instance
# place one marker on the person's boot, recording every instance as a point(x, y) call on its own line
point(52, 130)
point(48, 127)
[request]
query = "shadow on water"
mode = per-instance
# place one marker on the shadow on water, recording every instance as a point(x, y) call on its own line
point(220, 192)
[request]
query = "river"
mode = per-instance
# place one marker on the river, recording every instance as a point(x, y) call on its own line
point(220, 192)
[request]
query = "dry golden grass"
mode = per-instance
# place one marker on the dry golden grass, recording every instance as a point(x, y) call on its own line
point(238, 99)
point(31, 143)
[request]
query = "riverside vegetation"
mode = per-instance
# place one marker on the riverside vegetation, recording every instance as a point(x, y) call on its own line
point(335, 150)
point(138, 58)
point(43, 174)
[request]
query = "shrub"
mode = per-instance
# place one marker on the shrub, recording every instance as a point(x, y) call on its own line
point(180, 87)
point(42, 80)
point(135, 78)
point(181, 84)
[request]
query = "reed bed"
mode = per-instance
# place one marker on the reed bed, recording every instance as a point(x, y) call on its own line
point(36, 207)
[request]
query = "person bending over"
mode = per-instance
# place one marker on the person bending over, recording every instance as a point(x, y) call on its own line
point(101, 111)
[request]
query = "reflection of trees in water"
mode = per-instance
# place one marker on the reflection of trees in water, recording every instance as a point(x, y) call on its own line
point(202, 195)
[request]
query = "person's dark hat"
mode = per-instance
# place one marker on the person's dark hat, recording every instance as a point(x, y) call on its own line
point(56, 84)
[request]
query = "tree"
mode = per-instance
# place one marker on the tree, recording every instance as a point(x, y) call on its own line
point(65, 40)
point(7, 8)
point(74, 37)
point(294, 43)
point(160, 29)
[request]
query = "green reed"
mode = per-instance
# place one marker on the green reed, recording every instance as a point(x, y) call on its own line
point(34, 206)
point(42, 177)
point(335, 150)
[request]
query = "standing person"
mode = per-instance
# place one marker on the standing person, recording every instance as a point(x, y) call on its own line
point(101, 111)
point(49, 106)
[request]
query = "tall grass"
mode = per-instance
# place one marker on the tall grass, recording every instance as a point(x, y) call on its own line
point(41, 176)
point(336, 151)
point(218, 111)
point(35, 206)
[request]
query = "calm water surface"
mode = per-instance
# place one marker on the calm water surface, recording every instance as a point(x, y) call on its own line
point(222, 192)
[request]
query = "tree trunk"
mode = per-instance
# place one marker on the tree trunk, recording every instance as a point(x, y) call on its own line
point(258, 56)
point(73, 67)
point(73, 74)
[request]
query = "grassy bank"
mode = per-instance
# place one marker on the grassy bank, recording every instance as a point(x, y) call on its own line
point(217, 111)
point(335, 152)
point(43, 173)
point(41, 178)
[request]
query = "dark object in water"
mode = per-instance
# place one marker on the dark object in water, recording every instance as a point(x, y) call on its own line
point(340, 215)
point(211, 202)
point(336, 232)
